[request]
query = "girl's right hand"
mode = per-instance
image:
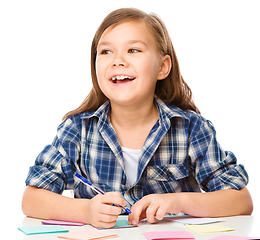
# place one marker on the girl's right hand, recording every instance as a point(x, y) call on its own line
point(101, 212)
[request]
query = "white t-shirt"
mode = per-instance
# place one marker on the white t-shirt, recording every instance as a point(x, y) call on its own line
point(131, 157)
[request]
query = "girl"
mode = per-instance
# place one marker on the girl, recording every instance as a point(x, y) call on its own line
point(138, 136)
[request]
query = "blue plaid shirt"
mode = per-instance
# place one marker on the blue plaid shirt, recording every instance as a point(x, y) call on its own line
point(180, 154)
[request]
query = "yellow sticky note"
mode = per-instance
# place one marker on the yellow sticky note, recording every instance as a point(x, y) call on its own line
point(209, 228)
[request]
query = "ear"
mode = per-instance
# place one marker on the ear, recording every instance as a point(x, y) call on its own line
point(166, 65)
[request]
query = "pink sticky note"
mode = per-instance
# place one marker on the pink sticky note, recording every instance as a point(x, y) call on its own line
point(168, 235)
point(56, 222)
point(88, 235)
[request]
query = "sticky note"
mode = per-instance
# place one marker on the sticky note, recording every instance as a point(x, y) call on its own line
point(88, 235)
point(196, 220)
point(56, 222)
point(122, 223)
point(226, 237)
point(168, 235)
point(209, 228)
point(42, 229)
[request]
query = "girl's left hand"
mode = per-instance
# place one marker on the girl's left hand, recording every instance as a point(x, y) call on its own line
point(156, 205)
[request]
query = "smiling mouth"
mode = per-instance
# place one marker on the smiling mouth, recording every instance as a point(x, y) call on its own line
point(122, 79)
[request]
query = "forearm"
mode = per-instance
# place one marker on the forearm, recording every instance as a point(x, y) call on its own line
point(213, 204)
point(41, 203)
point(221, 203)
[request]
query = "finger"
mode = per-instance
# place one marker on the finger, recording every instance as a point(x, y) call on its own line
point(107, 224)
point(113, 198)
point(160, 213)
point(151, 213)
point(143, 215)
point(108, 218)
point(104, 221)
point(108, 209)
point(137, 209)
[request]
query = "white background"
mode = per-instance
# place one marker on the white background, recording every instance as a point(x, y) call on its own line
point(45, 72)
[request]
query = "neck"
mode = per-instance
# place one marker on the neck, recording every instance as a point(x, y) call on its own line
point(133, 117)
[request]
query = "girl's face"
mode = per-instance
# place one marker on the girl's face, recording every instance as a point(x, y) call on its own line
point(128, 64)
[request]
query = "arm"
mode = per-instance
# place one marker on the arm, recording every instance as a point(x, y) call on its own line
point(221, 203)
point(212, 204)
point(98, 211)
point(53, 172)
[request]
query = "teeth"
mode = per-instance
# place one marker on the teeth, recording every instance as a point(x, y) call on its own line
point(122, 77)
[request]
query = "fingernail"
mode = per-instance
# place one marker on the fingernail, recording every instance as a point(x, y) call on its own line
point(134, 222)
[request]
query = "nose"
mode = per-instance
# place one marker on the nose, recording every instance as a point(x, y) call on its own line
point(119, 61)
point(118, 64)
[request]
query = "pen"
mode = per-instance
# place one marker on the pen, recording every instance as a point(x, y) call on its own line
point(88, 183)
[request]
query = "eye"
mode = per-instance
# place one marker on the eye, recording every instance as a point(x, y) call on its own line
point(133, 51)
point(106, 52)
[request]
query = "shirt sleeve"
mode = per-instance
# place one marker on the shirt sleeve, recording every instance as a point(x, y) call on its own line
point(215, 169)
point(55, 166)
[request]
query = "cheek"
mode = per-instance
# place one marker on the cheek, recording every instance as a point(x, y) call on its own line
point(151, 68)
point(98, 70)
point(101, 80)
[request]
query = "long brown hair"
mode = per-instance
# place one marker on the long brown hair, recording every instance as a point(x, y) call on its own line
point(173, 89)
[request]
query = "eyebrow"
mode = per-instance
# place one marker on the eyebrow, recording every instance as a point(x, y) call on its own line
point(137, 41)
point(129, 42)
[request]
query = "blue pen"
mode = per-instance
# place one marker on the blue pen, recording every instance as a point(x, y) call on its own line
point(88, 183)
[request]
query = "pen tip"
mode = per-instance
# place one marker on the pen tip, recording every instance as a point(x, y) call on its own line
point(128, 211)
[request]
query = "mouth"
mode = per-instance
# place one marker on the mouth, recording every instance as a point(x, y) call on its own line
point(121, 79)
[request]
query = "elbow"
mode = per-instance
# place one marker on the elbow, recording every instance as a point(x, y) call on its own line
point(250, 207)
point(25, 206)
point(27, 201)
point(25, 209)
point(248, 202)
point(250, 211)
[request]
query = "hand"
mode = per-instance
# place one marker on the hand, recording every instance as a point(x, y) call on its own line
point(100, 211)
point(156, 205)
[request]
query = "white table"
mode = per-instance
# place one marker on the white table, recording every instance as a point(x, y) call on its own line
point(244, 225)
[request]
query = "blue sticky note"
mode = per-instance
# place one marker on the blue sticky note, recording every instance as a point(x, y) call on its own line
point(122, 223)
point(43, 229)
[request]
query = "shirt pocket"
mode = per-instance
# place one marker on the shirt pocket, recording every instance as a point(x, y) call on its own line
point(167, 173)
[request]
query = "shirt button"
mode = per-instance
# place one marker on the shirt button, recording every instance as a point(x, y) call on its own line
point(169, 174)
point(123, 181)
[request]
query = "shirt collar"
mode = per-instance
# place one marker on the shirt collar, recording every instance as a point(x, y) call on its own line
point(166, 111)
point(103, 109)
point(169, 111)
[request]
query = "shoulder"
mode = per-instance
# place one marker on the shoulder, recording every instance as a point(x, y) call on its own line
point(192, 120)
point(73, 120)
point(70, 128)
point(172, 112)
